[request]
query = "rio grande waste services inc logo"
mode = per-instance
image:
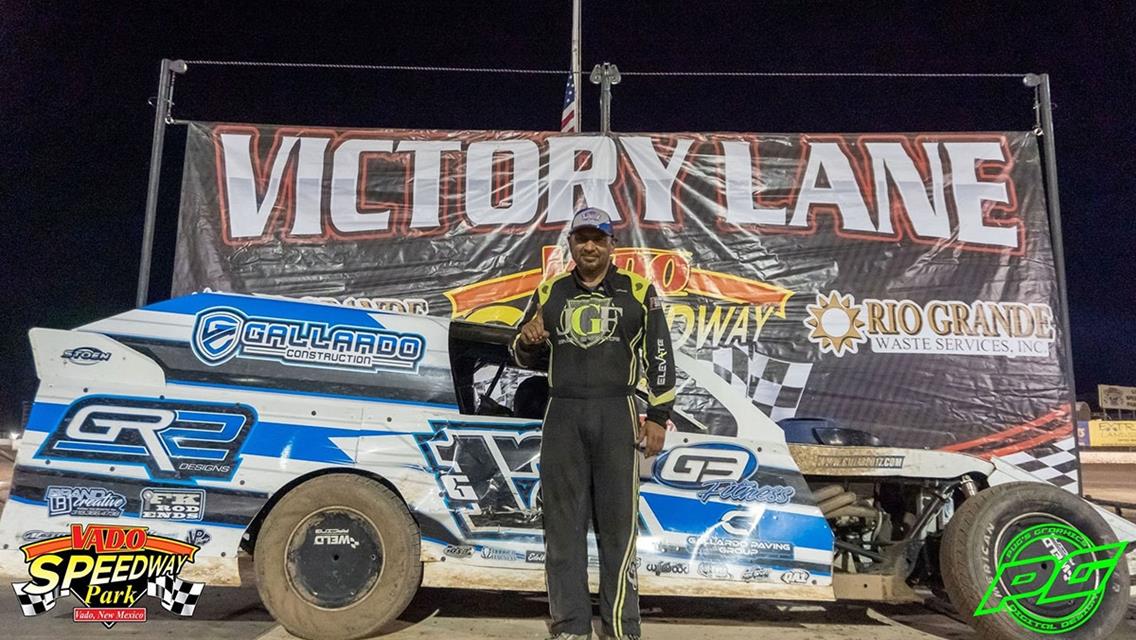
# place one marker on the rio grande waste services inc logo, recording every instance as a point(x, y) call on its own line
point(108, 569)
point(839, 325)
point(1055, 592)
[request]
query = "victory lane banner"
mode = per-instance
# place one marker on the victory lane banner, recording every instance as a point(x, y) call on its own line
point(108, 569)
point(902, 284)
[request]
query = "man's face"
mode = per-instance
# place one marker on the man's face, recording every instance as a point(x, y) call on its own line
point(591, 248)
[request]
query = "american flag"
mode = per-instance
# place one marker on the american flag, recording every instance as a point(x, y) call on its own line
point(569, 119)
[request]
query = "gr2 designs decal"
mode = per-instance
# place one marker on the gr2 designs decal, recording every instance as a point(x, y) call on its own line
point(223, 333)
point(174, 441)
point(107, 569)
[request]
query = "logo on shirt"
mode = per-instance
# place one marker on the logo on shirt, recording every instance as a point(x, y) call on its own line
point(588, 321)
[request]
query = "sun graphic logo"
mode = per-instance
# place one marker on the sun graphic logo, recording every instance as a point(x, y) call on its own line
point(835, 324)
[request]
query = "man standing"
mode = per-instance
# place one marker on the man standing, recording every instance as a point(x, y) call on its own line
point(594, 325)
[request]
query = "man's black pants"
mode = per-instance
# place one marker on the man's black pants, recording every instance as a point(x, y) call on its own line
point(589, 472)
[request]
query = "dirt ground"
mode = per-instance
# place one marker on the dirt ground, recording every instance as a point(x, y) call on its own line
point(450, 614)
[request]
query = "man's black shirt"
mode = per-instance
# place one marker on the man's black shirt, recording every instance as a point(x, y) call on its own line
point(598, 338)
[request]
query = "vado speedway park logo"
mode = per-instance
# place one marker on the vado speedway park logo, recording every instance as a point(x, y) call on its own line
point(839, 325)
point(108, 569)
point(748, 304)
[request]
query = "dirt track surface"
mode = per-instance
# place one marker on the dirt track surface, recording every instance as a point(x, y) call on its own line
point(437, 614)
point(447, 614)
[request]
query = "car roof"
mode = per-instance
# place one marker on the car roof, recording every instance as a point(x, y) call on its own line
point(497, 334)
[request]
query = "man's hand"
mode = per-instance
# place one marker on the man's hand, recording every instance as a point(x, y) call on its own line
point(651, 436)
point(533, 332)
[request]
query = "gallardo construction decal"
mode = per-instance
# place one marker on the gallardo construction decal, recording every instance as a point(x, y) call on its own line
point(221, 333)
point(107, 569)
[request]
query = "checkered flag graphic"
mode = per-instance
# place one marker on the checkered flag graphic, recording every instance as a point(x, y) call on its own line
point(774, 386)
point(178, 596)
point(32, 604)
point(1054, 462)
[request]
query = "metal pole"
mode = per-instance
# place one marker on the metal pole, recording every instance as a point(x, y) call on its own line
point(1053, 201)
point(161, 113)
point(605, 75)
point(577, 76)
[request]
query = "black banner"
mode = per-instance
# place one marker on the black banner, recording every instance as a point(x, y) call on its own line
point(898, 283)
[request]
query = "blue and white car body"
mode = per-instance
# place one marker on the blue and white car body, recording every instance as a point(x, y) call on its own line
point(218, 404)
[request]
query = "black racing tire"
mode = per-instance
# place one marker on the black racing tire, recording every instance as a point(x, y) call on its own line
point(338, 558)
point(979, 532)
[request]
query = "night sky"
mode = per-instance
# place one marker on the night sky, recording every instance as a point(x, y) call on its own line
point(76, 77)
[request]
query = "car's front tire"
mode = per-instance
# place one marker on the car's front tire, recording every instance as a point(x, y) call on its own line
point(980, 537)
point(337, 558)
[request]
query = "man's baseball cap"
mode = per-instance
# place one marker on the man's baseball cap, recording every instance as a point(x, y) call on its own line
point(591, 217)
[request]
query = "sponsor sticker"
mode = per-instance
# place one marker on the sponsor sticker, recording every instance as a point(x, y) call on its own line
point(222, 333)
point(795, 576)
point(668, 568)
point(458, 551)
point(85, 355)
point(718, 470)
point(332, 537)
point(198, 537)
point(534, 556)
point(35, 535)
point(172, 504)
point(860, 462)
point(740, 547)
point(755, 573)
point(490, 553)
point(714, 571)
point(86, 502)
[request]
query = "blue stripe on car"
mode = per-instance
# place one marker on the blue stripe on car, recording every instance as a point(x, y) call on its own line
point(689, 515)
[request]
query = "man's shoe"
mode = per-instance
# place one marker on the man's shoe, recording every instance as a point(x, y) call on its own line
point(572, 636)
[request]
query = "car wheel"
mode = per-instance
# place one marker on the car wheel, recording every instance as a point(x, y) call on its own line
point(337, 558)
point(1014, 522)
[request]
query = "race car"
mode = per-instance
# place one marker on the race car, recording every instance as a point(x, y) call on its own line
point(359, 454)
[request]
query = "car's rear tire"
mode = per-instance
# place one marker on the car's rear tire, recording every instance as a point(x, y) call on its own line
point(979, 534)
point(337, 558)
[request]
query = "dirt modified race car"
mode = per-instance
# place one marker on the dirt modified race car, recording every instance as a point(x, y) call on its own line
point(357, 455)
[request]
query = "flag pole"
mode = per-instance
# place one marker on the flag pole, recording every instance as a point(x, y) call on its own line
point(577, 78)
